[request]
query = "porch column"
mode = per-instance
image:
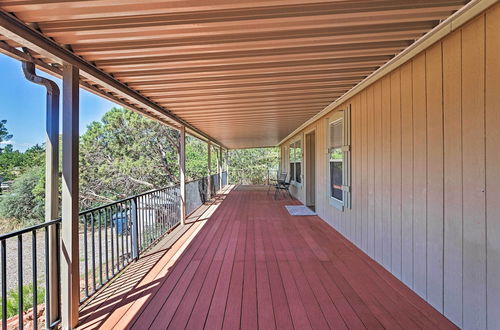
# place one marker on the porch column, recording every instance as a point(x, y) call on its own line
point(70, 279)
point(227, 166)
point(219, 167)
point(182, 173)
point(209, 185)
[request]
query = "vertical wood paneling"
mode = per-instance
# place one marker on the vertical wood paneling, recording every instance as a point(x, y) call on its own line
point(407, 174)
point(364, 169)
point(355, 166)
point(378, 169)
point(359, 219)
point(386, 172)
point(435, 249)
point(453, 229)
point(370, 242)
point(396, 172)
point(420, 177)
point(474, 216)
point(426, 173)
point(492, 107)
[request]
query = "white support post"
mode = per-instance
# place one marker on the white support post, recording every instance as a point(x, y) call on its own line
point(70, 278)
point(209, 165)
point(226, 162)
point(182, 173)
point(219, 166)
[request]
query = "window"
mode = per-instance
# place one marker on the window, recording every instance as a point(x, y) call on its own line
point(339, 159)
point(336, 160)
point(296, 161)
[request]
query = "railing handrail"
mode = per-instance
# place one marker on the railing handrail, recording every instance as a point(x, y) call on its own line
point(135, 196)
point(48, 223)
point(28, 229)
point(97, 208)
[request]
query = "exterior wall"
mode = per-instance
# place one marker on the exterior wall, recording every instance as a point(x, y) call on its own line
point(426, 173)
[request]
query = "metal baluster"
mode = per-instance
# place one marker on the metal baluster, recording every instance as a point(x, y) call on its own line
point(35, 282)
point(100, 245)
point(47, 282)
point(117, 238)
point(93, 250)
point(58, 267)
point(86, 255)
point(20, 302)
point(121, 234)
point(4, 285)
point(111, 224)
point(139, 224)
point(127, 221)
point(148, 217)
point(106, 242)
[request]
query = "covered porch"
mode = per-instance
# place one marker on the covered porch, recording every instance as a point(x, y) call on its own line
point(245, 262)
point(387, 117)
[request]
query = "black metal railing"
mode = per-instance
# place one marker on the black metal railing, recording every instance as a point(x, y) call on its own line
point(252, 176)
point(214, 183)
point(117, 233)
point(23, 298)
point(111, 236)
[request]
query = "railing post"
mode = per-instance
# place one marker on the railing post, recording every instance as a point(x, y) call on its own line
point(135, 230)
point(70, 275)
point(209, 179)
point(219, 167)
point(182, 173)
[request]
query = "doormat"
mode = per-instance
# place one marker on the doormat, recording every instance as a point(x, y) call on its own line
point(299, 210)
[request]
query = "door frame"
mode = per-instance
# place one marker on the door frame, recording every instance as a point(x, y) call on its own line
point(310, 184)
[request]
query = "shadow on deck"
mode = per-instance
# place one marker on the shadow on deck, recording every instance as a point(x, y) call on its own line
point(244, 262)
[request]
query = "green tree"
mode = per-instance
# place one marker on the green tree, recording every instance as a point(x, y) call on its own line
point(25, 201)
point(125, 154)
point(4, 134)
point(253, 166)
point(196, 158)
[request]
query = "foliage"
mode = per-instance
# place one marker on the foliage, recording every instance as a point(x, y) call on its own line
point(4, 134)
point(25, 200)
point(13, 299)
point(13, 163)
point(253, 166)
point(125, 154)
point(196, 158)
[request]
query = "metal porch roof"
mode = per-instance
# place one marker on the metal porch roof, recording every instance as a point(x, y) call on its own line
point(247, 73)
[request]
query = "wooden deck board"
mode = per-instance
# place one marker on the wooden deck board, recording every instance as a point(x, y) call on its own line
point(247, 263)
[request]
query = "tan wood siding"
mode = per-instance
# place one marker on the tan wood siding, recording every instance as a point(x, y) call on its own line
point(492, 124)
point(425, 173)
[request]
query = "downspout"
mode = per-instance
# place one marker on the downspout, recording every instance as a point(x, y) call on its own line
point(51, 183)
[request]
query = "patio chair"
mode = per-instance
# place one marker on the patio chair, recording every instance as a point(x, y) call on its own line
point(274, 182)
point(283, 185)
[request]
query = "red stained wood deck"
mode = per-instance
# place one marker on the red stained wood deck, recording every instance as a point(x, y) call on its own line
point(246, 263)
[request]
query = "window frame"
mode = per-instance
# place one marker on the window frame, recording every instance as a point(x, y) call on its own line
point(342, 116)
point(297, 159)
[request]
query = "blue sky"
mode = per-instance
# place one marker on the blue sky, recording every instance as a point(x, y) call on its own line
point(22, 104)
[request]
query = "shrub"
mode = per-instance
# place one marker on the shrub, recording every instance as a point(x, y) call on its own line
point(25, 201)
point(13, 299)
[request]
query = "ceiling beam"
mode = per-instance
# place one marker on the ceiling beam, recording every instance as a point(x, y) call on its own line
point(19, 32)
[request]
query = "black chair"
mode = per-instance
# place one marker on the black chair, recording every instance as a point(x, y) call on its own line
point(274, 182)
point(283, 185)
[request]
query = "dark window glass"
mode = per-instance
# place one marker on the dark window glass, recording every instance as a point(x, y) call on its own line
point(292, 170)
point(297, 172)
point(336, 180)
